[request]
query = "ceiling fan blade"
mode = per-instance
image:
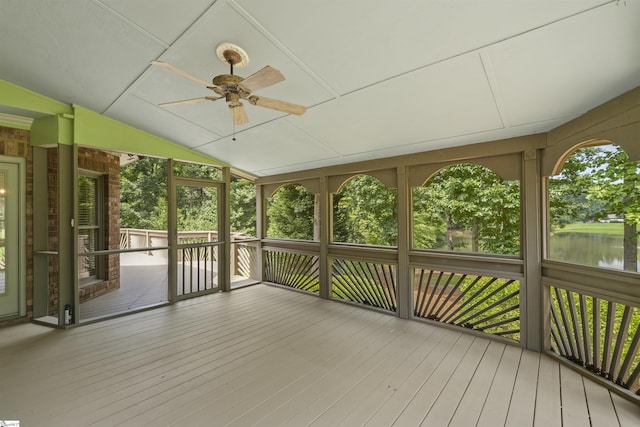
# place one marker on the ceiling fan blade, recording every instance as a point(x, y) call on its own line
point(260, 79)
point(239, 114)
point(182, 73)
point(190, 101)
point(276, 104)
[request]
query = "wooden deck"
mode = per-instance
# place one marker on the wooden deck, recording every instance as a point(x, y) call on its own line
point(271, 357)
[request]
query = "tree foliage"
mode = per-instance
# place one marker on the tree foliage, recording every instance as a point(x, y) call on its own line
point(143, 194)
point(365, 212)
point(243, 206)
point(143, 198)
point(595, 183)
point(290, 213)
point(470, 201)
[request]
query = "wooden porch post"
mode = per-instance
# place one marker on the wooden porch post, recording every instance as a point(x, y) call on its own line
point(224, 260)
point(67, 232)
point(403, 281)
point(531, 314)
point(325, 237)
point(260, 224)
point(172, 233)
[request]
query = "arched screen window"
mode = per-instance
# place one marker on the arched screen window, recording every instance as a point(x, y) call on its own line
point(291, 213)
point(594, 209)
point(364, 212)
point(469, 208)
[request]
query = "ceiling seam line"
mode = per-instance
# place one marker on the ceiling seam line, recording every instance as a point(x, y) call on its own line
point(479, 48)
point(492, 81)
point(129, 22)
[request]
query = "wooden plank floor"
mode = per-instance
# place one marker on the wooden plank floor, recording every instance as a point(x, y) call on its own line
point(271, 357)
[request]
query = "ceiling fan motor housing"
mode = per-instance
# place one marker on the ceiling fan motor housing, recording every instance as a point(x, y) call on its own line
point(228, 83)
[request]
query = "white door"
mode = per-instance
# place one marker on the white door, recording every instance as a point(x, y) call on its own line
point(10, 287)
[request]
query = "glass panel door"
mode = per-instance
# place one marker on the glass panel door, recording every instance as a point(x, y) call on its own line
point(197, 205)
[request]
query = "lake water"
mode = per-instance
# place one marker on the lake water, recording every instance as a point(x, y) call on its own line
point(593, 249)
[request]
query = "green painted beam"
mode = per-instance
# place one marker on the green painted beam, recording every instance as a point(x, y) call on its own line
point(51, 131)
point(95, 130)
point(25, 99)
point(68, 125)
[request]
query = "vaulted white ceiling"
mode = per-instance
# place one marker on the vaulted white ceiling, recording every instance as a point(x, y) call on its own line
point(379, 77)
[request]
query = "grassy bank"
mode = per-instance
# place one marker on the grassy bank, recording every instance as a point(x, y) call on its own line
point(611, 228)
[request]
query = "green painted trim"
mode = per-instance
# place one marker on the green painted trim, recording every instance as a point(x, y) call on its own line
point(95, 130)
point(52, 130)
point(25, 99)
point(14, 125)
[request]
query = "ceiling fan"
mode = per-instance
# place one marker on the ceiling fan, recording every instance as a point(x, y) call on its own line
point(233, 88)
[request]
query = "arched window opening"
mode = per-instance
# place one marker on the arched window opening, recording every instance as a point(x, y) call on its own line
point(594, 209)
point(468, 208)
point(365, 212)
point(291, 213)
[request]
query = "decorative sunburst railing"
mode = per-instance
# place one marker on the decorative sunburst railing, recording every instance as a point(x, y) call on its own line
point(600, 335)
point(484, 303)
point(364, 282)
point(295, 270)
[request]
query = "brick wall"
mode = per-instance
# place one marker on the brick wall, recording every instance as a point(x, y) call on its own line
point(108, 165)
point(15, 143)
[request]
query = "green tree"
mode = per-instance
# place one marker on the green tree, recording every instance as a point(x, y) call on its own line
point(616, 185)
point(569, 199)
point(290, 213)
point(243, 206)
point(143, 194)
point(596, 182)
point(468, 199)
point(365, 212)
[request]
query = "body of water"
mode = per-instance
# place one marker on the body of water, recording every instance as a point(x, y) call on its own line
point(600, 250)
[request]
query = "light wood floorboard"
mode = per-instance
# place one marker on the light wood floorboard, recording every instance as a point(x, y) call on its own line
point(271, 357)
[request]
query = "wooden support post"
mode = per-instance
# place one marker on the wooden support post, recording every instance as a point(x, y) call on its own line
point(224, 215)
point(172, 233)
point(403, 280)
point(325, 237)
point(67, 232)
point(531, 302)
point(260, 229)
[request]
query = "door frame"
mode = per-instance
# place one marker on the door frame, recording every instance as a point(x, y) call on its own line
point(21, 227)
point(173, 184)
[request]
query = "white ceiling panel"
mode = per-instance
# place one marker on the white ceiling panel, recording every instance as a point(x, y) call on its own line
point(277, 143)
point(72, 50)
point(568, 68)
point(450, 99)
point(355, 43)
point(167, 26)
point(161, 122)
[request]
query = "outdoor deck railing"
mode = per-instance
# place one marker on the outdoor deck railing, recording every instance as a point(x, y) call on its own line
point(594, 318)
point(297, 269)
point(363, 282)
point(197, 253)
point(483, 303)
